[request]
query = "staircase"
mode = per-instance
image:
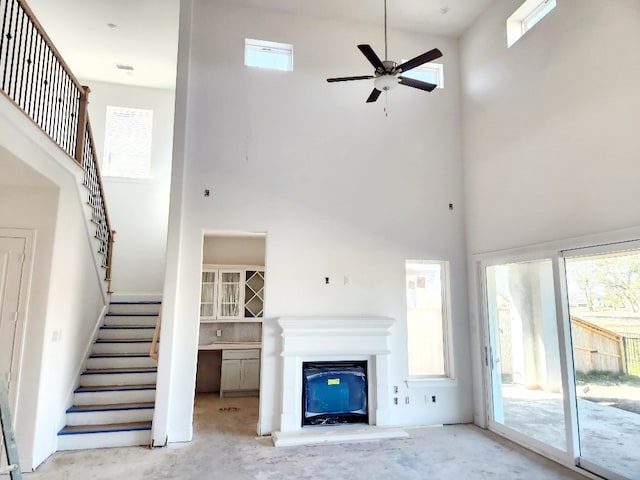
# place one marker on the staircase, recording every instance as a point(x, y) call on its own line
point(113, 406)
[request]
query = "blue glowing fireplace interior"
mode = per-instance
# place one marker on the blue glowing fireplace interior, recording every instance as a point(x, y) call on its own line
point(334, 393)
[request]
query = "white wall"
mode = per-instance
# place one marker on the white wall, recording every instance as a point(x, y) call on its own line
point(550, 130)
point(340, 189)
point(68, 286)
point(138, 210)
point(31, 208)
point(233, 250)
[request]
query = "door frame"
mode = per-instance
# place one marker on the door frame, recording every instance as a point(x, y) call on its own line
point(23, 306)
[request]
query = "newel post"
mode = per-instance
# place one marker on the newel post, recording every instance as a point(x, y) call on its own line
point(82, 123)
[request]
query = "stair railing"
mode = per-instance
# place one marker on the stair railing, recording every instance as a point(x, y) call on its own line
point(35, 77)
point(153, 351)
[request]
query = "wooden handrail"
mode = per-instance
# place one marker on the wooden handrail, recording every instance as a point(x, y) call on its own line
point(153, 351)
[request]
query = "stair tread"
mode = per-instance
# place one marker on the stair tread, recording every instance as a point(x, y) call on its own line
point(140, 302)
point(103, 371)
point(123, 340)
point(109, 388)
point(119, 355)
point(131, 314)
point(105, 428)
point(128, 327)
point(110, 407)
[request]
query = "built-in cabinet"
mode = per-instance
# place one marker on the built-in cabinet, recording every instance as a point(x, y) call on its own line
point(231, 293)
point(240, 371)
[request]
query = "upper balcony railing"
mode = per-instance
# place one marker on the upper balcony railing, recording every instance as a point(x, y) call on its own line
point(35, 77)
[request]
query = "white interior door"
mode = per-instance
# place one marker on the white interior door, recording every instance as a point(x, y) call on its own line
point(12, 254)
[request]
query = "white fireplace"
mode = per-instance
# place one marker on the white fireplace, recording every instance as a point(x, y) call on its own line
point(318, 339)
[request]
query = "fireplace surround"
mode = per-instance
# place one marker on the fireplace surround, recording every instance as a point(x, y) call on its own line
point(326, 339)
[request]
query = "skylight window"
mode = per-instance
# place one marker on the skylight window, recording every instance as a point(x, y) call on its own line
point(272, 55)
point(430, 72)
point(525, 17)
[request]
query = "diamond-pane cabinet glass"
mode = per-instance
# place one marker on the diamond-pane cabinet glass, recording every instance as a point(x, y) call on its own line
point(253, 293)
point(208, 295)
point(229, 295)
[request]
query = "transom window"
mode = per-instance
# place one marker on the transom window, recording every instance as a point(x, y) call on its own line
point(525, 17)
point(272, 55)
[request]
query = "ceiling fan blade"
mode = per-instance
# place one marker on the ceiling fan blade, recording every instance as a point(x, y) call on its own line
point(346, 79)
point(410, 82)
point(368, 52)
point(419, 60)
point(375, 93)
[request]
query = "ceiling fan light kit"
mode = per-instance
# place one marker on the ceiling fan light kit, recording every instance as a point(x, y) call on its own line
point(387, 73)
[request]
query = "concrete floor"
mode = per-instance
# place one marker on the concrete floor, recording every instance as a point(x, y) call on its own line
point(225, 447)
point(609, 436)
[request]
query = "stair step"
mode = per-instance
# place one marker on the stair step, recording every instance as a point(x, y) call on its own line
point(122, 345)
point(104, 436)
point(145, 319)
point(116, 332)
point(114, 394)
point(109, 413)
point(118, 376)
point(134, 307)
point(110, 407)
point(119, 360)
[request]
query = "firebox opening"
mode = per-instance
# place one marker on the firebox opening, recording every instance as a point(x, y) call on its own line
point(334, 393)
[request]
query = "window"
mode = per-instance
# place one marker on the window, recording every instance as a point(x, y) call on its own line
point(523, 19)
point(427, 318)
point(272, 55)
point(430, 72)
point(128, 142)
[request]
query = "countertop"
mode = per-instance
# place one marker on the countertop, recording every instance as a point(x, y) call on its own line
point(230, 346)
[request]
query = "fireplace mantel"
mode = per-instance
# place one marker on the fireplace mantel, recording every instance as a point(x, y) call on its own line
point(335, 338)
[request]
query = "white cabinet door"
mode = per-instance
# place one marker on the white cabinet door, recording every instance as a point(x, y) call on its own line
point(250, 375)
point(240, 371)
point(230, 376)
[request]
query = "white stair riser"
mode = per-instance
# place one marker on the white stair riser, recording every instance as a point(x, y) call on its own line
point(122, 347)
point(104, 379)
point(134, 308)
point(121, 362)
point(104, 440)
point(120, 333)
point(111, 416)
point(114, 397)
point(126, 320)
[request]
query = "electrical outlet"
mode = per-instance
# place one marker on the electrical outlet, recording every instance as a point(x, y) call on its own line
point(218, 333)
point(433, 399)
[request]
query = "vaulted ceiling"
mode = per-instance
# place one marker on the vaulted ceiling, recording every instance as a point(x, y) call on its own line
point(95, 36)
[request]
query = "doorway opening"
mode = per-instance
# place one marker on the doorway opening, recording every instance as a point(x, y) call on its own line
point(232, 297)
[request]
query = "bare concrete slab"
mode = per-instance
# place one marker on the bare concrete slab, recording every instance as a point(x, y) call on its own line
point(225, 446)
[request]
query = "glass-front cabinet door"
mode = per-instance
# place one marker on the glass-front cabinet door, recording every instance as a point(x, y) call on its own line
point(229, 294)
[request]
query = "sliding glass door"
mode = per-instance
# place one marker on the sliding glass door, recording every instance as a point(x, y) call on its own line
point(604, 303)
point(563, 355)
point(524, 358)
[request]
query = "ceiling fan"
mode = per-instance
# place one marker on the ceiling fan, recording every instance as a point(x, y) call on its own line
point(388, 73)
